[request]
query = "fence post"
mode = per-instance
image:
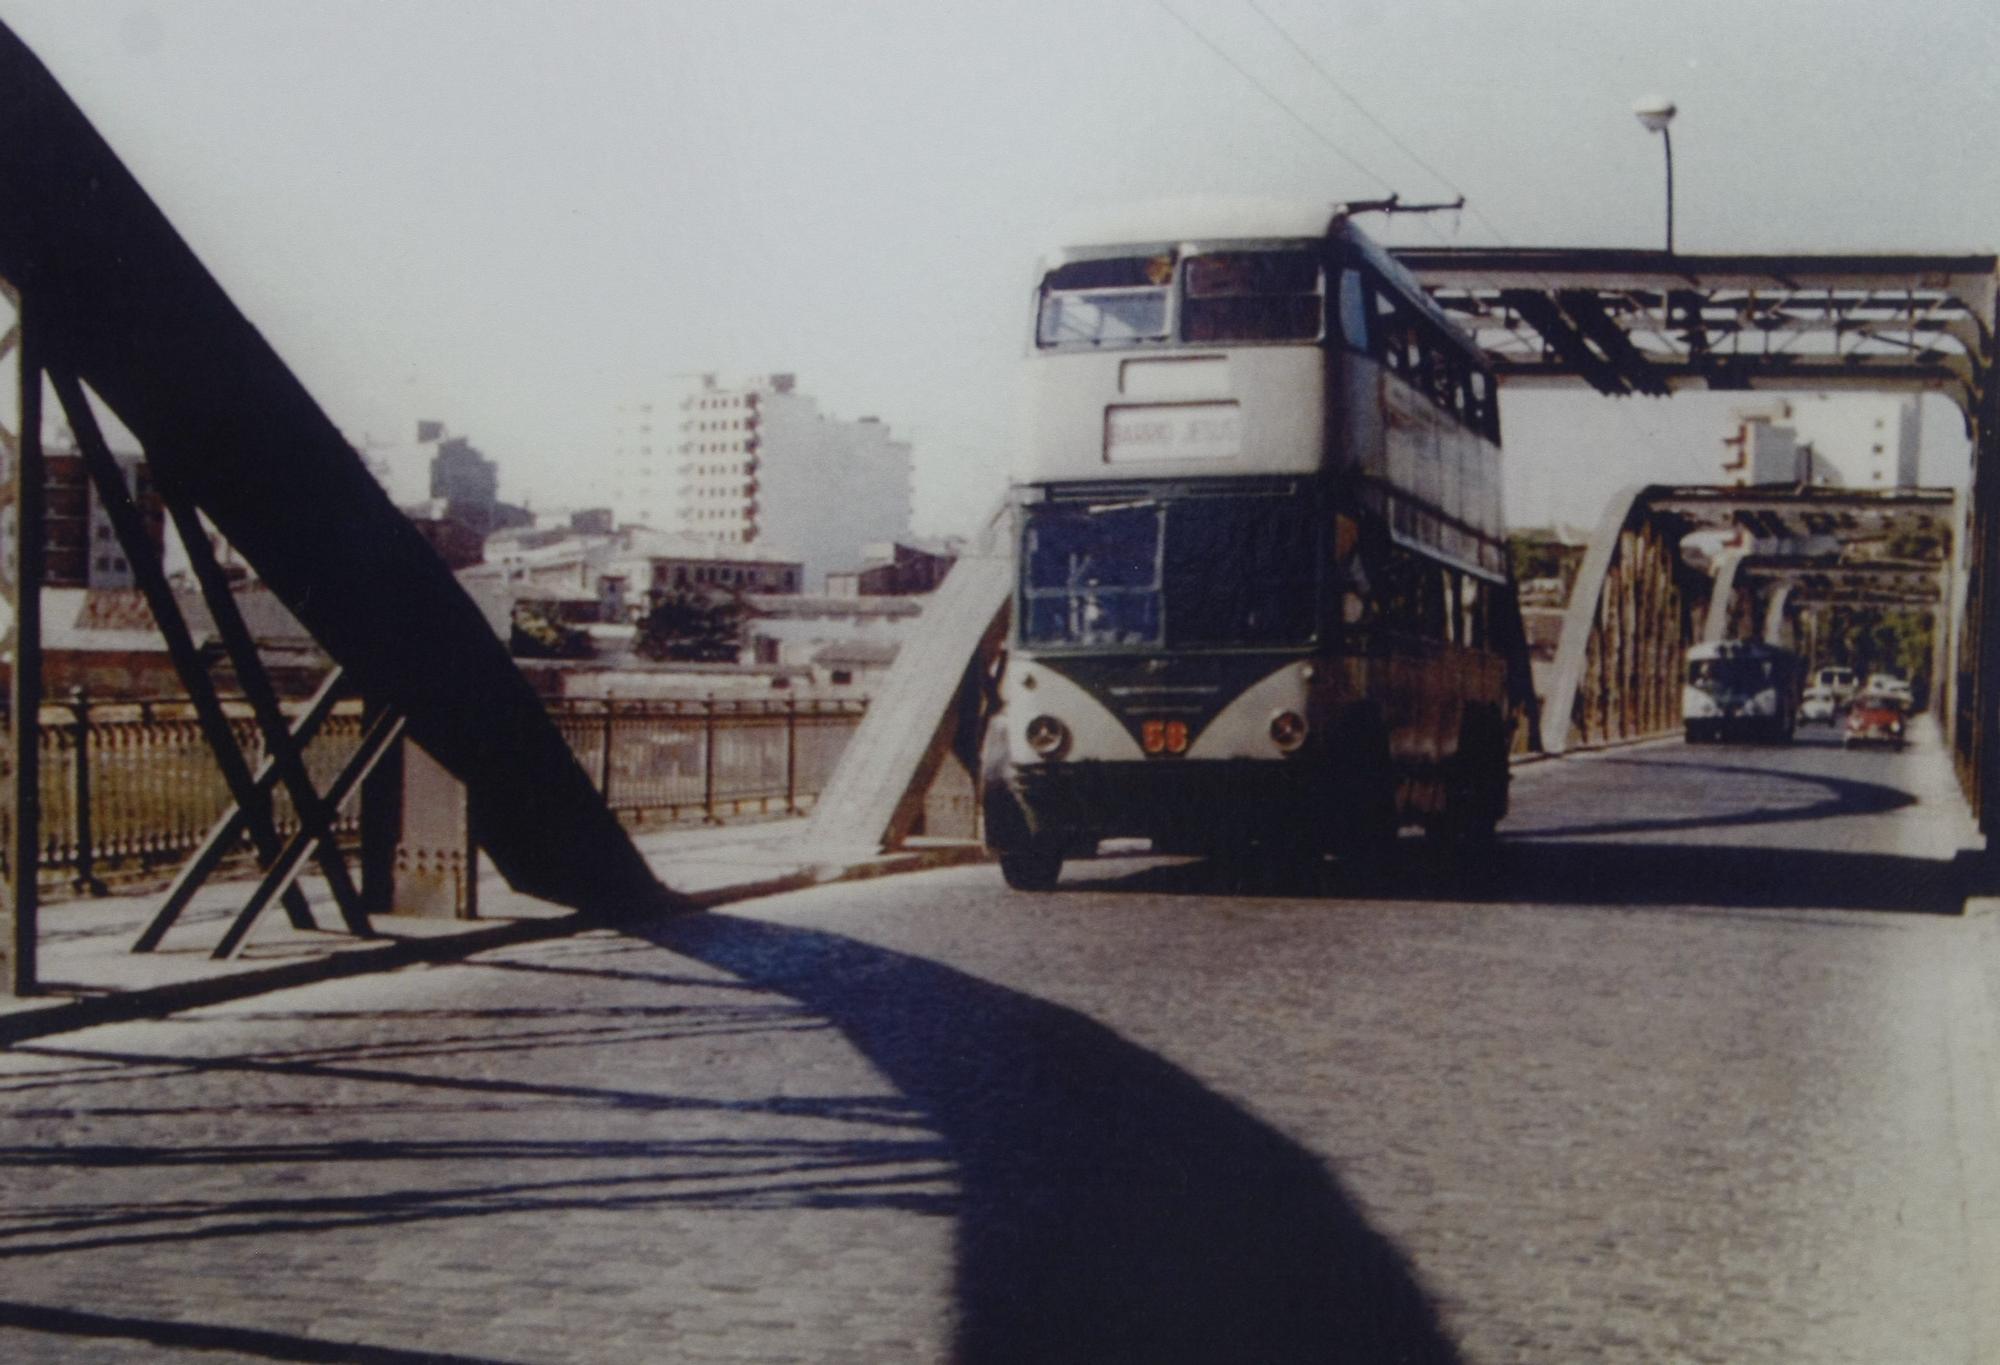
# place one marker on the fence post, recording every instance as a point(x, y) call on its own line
point(86, 881)
point(708, 815)
point(791, 755)
point(604, 757)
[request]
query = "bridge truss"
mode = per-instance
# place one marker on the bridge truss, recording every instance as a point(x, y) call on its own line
point(115, 314)
point(1651, 323)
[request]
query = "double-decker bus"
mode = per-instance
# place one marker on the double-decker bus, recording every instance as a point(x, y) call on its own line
point(1262, 575)
point(1740, 690)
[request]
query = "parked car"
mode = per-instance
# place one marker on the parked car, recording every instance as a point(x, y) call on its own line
point(1818, 706)
point(1889, 685)
point(1875, 718)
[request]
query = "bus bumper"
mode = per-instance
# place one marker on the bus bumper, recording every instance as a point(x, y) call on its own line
point(1182, 806)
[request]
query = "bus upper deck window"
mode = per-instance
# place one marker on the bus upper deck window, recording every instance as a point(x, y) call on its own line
point(1253, 296)
point(1115, 300)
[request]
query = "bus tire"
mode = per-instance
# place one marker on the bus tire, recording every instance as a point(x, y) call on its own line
point(1035, 867)
point(1365, 819)
point(1475, 795)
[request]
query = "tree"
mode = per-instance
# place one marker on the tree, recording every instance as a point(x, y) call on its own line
point(1541, 554)
point(1880, 640)
point(537, 634)
point(692, 627)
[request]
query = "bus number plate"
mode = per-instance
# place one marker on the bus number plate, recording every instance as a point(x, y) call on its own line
point(1164, 736)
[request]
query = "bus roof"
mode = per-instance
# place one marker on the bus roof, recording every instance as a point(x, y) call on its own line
point(1199, 219)
point(1196, 219)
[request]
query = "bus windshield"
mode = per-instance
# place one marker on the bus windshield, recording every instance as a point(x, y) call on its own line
point(1182, 573)
point(1118, 300)
point(1732, 675)
point(1253, 296)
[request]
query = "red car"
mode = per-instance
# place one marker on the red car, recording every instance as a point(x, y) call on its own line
point(1874, 719)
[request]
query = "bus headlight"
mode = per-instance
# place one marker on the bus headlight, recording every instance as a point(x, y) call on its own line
point(1288, 731)
point(1047, 736)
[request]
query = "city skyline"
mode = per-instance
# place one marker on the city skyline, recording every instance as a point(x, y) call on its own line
point(514, 215)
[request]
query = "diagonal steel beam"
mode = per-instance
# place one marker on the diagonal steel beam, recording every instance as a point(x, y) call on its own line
point(263, 699)
point(228, 828)
point(1587, 311)
point(148, 328)
point(1541, 313)
point(151, 577)
point(313, 829)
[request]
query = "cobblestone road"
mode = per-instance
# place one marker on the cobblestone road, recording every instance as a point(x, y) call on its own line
point(1694, 1072)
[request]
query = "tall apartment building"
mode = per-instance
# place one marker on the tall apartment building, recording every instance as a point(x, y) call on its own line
point(1843, 440)
point(760, 463)
point(81, 550)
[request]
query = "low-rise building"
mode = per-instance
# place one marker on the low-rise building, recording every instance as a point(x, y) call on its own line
point(792, 630)
point(857, 664)
point(896, 569)
point(654, 564)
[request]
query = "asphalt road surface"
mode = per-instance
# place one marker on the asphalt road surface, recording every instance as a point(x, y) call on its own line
point(1699, 1066)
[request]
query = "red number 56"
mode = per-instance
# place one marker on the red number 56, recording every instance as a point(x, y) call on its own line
point(1164, 736)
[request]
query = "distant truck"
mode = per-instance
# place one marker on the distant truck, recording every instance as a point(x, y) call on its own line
point(1741, 690)
point(1838, 679)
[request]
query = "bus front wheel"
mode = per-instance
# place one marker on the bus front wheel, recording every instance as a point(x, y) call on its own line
point(1366, 820)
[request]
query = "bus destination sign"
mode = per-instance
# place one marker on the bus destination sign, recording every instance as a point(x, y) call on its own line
point(1172, 431)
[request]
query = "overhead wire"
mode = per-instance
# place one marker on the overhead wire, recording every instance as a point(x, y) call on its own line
point(1646, 439)
point(1310, 127)
point(1327, 78)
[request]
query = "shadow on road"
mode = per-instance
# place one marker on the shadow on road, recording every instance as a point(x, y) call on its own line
point(1108, 1207)
point(1546, 871)
point(1835, 796)
point(1112, 1208)
point(208, 1337)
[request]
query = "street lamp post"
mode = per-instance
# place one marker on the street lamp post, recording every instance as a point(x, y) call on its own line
point(1656, 113)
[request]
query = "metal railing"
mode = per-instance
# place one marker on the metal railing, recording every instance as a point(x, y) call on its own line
point(128, 788)
point(709, 758)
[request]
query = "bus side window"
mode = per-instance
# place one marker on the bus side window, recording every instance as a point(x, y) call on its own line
point(1446, 375)
point(1353, 305)
point(1473, 599)
point(1392, 336)
point(1485, 412)
point(1412, 596)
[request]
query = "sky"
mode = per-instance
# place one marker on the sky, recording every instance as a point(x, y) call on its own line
point(513, 215)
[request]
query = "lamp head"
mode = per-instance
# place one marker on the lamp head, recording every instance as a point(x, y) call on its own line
point(1656, 112)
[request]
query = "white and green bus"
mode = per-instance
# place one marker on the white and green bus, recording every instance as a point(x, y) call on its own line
point(1262, 583)
point(1740, 690)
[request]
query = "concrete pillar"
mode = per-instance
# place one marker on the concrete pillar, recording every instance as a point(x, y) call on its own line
point(436, 872)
